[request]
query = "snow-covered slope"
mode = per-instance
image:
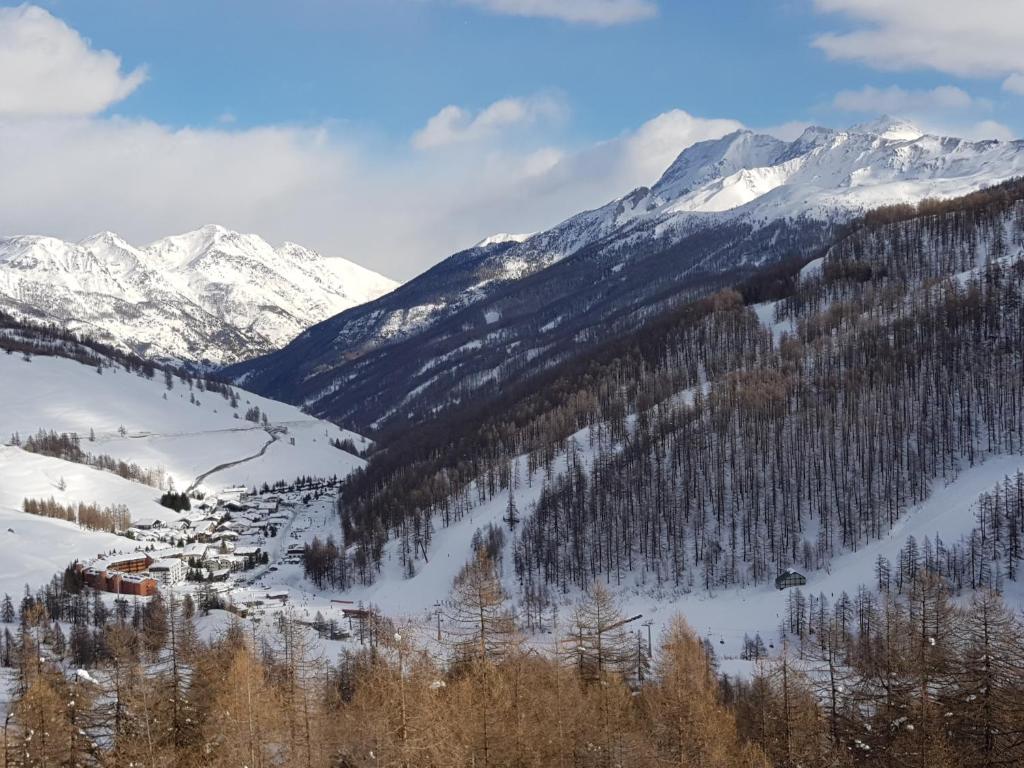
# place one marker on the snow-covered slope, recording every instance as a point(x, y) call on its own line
point(211, 295)
point(745, 177)
point(194, 435)
point(824, 174)
point(182, 430)
point(503, 237)
point(723, 616)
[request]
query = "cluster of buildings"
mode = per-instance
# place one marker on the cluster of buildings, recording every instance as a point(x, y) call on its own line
point(217, 537)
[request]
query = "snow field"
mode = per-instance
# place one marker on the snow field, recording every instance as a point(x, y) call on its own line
point(165, 429)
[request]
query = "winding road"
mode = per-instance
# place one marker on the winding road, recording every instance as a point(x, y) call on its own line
point(274, 433)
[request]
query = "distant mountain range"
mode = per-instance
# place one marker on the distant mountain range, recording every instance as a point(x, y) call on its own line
point(514, 305)
point(211, 296)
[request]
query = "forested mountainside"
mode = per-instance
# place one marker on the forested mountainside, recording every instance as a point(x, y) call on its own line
point(472, 350)
point(509, 309)
point(721, 450)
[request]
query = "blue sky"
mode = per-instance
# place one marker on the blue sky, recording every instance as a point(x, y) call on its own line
point(387, 65)
point(395, 131)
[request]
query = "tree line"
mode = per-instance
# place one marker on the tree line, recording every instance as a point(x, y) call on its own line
point(113, 519)
point(888, 679)
point(156, 694)
point(29, 337)
point(878, 679)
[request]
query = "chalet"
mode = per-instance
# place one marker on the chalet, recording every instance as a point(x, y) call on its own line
point(235, 492)
point(217, 560)
point(268, 507)
point(201, 529)
point(198, 552)
point(790, 578)
point(194, 515)
point(219, 574)
point(168, 553)
point(147, 523)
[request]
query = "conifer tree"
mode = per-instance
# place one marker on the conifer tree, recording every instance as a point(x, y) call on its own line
point(598, 643)
point(479, 627)
point(689, 724)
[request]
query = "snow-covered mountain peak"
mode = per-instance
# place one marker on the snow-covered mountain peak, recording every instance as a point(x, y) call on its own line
point(824, 175)
point(813, 136)
point(297, 251)
point(210, 294)
point(891, 128)
point(189, 246)
point(722, 207)
point(715, 159)
point(105, 238)
point(110, 248)
point(503, 237)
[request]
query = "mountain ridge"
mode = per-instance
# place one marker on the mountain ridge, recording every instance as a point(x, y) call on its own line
point(209, 296)
point(723, 208)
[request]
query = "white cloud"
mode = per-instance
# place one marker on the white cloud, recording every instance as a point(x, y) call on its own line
point(70, 171)
point(648, 151)
point(600, 12)
point(47, 68)
point(983, 38)
point(899, 101)
point(986, 129)
point(397, 211)
point(456, 125)
point(944, 111)
point(1014, 83)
